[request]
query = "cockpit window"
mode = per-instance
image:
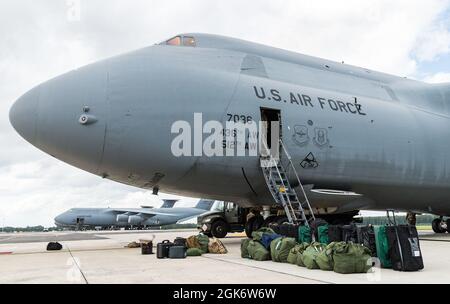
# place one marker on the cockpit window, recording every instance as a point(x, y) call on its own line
point(174, 41)
point(178, 41)
point(188, 41)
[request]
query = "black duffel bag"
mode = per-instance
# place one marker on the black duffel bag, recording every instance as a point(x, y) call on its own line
point(54, 246)
point(404, 248)
point(366, 237)
point(334, 233)
point(349, 233)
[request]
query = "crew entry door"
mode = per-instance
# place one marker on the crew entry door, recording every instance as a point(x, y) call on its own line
point(272, 129)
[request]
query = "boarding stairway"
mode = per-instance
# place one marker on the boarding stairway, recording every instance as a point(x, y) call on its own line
point(277, 172)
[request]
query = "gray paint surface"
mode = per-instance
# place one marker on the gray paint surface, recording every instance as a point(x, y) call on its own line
point(395, 155)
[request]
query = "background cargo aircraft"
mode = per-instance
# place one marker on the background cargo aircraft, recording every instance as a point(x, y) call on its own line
point(359, 139)
point(130, 217)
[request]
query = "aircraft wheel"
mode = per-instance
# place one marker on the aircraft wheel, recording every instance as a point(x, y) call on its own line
point(219, 229)
point(436, 226)
point(253, 224)
point(448, 225)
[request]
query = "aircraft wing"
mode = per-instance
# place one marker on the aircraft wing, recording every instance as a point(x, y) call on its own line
point(142, 211)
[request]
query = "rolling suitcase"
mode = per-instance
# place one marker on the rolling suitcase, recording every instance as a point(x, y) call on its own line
point(405, 253)
point(162, 249)
point(366, 237)
point(177, 252)
point(349, 233)
point(334, 233)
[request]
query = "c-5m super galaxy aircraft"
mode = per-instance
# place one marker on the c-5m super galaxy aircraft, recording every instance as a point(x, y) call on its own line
point(130, 217)
point(358, 139)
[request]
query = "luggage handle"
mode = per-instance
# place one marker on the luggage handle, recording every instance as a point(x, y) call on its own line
point(391, 221)
point(165, 241)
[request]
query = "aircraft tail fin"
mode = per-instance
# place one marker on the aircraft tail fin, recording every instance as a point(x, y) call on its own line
point(168, 203)
point(205, 204)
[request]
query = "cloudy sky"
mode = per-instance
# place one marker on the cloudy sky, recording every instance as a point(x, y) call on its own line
point(41, 39)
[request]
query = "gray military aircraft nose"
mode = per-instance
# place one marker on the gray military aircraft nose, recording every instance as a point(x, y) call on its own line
point(22, 115)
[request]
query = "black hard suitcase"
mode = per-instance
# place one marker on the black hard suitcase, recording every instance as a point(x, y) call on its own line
point(366, 237)
point(147, 248)
point(177, 252)
point(404, 248)
point(349, 233)
point(162, 249)
point(334, 233)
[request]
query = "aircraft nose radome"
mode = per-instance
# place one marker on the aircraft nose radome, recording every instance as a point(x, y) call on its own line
point(22, 115)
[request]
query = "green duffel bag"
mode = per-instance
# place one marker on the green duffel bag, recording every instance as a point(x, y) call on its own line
point(325, 259)
point(257, 235)
point(304, 234)
point(382, 245)
point(194, 252)
point(301, 249)
point(293, 254)
point(257, 251)
point(322, 231)
point(204, 242)
point(244, 248)
point(310, 254)
point(351, 258)
point(280, 247)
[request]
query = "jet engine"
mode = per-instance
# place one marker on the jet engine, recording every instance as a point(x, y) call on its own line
point(135, 220)
point(122, 218)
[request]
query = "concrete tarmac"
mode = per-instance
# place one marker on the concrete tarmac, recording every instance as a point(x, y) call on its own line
point(100, 257)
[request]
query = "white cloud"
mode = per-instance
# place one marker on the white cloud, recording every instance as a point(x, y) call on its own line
point(438, 78)
point(39, 42)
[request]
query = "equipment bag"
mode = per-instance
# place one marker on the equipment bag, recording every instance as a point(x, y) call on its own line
point(304, 234)
point(54, 246)
point(162, 249)
point(244, 248)
point(203, 240)
point(382, 246)
point(351, 258)
point(366, 237)
point(268, 238)
point(192, 242)
point(404, 248)
point(288, 230)
point(322, 232)
point(325, 258)
point(216, 246)
point(177, 252)
point(293, 254)
point(334, 233)
point(280, 247)
point(257, 251)
point(349, 233)
point(301, 249)
point(258, 234)
point(180, 241)
point(310, 254)
point(194, 252)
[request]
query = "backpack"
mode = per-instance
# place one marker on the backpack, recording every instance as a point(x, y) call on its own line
point(244, 248)
point(54, 246)
point(280, 247)
point(334, 233)
point(310, 254)
point(366, 237)
point(257, 251)
point(258, 234)
point(351, 258)
point(349, 233)
point(216, 246)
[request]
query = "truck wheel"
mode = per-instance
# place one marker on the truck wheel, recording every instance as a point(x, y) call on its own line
point(219, 229)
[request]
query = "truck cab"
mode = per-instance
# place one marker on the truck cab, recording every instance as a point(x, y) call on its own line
point(227, 217)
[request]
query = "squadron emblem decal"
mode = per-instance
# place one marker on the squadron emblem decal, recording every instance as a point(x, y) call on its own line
point(300, 136)
point(309, 161)
point(321, 137)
